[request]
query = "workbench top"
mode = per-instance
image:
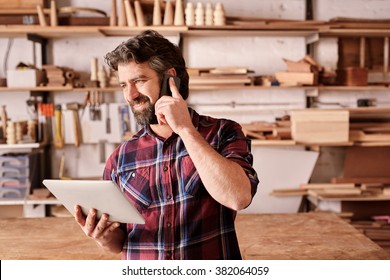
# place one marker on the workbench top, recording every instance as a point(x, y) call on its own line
point(261, 236)
point(303, 236)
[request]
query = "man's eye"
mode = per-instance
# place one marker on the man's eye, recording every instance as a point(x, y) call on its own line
point(139, 82)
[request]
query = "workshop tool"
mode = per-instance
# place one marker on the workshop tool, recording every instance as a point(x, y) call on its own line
point(92, 106)
point(3, 115)
point(102, 150)
point(98, 110)
point(108, 119)
point(86, 102)
point(74, 107)
point(95, 113)
point(46, 112)
point(58, 138)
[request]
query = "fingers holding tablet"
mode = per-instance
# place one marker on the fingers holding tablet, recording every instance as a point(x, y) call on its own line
point(100, 230)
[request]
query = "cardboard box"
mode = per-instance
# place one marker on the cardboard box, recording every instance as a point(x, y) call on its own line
point(24, 78)
point(320, 126)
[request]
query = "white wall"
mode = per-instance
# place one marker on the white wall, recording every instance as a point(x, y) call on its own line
point(261, 54)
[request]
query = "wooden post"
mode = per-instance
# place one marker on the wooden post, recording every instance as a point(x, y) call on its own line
point(179, 13)
point(362, 51)
point(168, 14)
point(386, 58)
point(94, 69)
point(139, 14)
point(130, 14)
point(157, 13)
point(53, 13)
point(41, 16)
point(113, 20)
point(122, 14)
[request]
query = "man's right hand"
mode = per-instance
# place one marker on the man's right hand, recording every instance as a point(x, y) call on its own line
point(108, 235)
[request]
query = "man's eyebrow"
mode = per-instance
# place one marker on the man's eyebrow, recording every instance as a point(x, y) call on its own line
point(135, 78)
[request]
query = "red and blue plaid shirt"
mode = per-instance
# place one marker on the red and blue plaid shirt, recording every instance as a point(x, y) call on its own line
point(158, 176)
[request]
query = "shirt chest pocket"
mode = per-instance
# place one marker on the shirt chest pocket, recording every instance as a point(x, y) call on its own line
point(190, 177)
point(135, 183)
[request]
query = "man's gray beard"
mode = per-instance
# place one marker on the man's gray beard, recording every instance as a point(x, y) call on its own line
point(145, 117)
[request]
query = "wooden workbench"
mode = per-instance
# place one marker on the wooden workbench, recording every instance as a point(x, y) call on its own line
point(303, 236)
point(265, 236)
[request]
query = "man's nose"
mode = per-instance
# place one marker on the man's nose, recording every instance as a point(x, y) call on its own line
point(132, 92)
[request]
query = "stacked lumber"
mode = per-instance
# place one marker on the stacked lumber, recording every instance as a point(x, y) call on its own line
point(337, 190)
point(302, 72)
point(225, 76)
point(329, 189)
point(347, 190)
point(261, 130)
point(370, 126)
point(377, 229)
point(320, 126)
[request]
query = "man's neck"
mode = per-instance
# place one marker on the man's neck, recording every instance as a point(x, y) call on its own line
point(162, 130)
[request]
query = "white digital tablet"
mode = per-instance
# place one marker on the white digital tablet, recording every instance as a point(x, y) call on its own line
point(103, 195)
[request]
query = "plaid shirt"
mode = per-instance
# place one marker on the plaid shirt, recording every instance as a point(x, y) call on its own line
point(182, 220)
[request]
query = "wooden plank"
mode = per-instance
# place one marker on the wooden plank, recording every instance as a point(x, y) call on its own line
point(361, 180)
point(329, 115)
point(296, 78)
point(367, 162)
point(359, 135)
point(318, 186)
point(288, 192)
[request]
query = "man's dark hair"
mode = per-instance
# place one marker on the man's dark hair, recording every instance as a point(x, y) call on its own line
point(151, 47)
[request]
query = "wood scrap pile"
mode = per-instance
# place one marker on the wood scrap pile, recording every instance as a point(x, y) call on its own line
point(302, 72)
point(261, 130)
point(221, 76)
point(61, 76)
point(347, 190)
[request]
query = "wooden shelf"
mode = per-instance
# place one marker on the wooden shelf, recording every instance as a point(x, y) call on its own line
point(106, 31)
point(83, 31)
point(22, 11)
point(59, 88)
point(20, 146)
point(286, 29)
point(349, 32)
point(48, 201)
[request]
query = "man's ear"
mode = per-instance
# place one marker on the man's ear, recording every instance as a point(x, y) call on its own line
point(172, 71)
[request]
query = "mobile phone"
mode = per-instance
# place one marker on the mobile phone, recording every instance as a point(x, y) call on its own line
point(164, 89)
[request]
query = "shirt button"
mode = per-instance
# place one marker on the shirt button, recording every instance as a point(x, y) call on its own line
point(168, 255)
point(169, 196)
point(165, 168)
point(169, 224)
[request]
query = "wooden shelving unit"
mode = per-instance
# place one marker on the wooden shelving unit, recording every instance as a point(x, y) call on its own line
point(209, 87)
